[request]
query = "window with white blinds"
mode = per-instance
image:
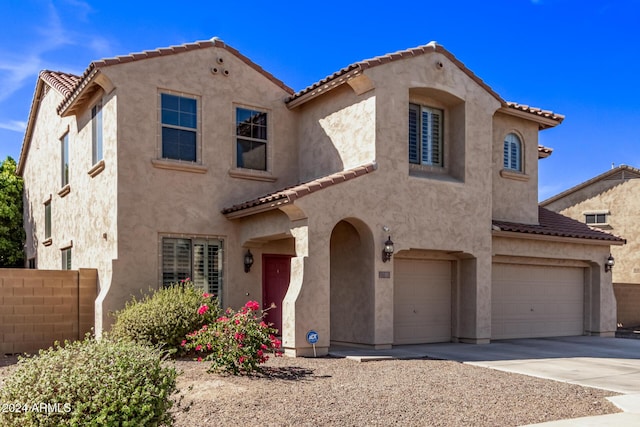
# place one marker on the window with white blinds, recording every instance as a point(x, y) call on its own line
point(512, 153)
point(197, 259)
point(425, 135)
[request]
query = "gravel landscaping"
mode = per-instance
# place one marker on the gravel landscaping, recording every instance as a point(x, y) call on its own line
point(332, 391)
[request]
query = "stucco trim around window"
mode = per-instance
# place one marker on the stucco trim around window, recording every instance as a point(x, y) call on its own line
point(176, 165)
point(517, 176)
point(64, 190)
point(252, 174)
point(96, 169)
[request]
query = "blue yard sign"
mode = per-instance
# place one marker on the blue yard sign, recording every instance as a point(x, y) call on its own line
point(312, 337)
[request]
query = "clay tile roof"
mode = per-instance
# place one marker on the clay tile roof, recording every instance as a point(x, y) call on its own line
point(290, 194)
point(89, 73)
point(62, 82)
point(557, 225)
point(536, 111)
point(544, 152)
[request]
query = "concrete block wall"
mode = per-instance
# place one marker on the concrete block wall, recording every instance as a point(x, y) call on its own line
point(628, 300)
point(39, 307)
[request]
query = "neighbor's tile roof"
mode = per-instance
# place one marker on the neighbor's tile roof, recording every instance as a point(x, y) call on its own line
point(544, 152)
point(290, 194)
point(547, 114)
point(557, 225)
point(62, 82)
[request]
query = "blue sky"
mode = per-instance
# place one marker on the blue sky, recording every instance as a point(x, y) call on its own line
point(578, 58)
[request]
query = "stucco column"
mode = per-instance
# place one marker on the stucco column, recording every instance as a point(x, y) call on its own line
point(474, 300)
point(383, 301)
point(602, 303)
point(306, 304)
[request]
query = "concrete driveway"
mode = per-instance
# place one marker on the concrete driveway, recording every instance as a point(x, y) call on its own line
point(605, 363)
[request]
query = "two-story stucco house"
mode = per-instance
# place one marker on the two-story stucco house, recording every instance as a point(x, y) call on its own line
point(611, 202)
point(393, 202)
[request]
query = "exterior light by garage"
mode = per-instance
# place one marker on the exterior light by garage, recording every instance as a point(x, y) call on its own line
point(248, 261)
point(608, 265)
point(387, 251)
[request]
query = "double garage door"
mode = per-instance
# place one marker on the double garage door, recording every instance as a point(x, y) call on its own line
point(528, 301)
point(536, 301)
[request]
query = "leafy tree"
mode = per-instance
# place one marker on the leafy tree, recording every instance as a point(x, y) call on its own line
point(11, 229)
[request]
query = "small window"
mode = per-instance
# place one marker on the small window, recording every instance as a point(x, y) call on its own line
point(197, 259)
point(96, 133)
point(251, 139)
point(47, 220)
point(179, 117)
point(513, 153)
point(596, 218)
point(425, 135)
point(31, 263)
point(64, 166)
point(66, 259)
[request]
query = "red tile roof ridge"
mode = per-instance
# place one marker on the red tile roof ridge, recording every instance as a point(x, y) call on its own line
point(555, 224)
point(537, 111)
point(60, 81)
point(292, 193)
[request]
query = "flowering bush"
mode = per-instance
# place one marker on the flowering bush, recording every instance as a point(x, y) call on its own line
point(166, 316)
point(237, 342)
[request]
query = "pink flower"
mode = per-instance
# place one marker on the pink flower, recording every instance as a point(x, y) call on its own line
point(263, 324)
point(198, 347)
point(209, 346)
point(241, 360)
point(183, 343)
point(206, 295)
point(203, 309)
point(264, 346)
point(237, 321)
point(222, 319)
point(260, 353)
point(199, 359)
point(252, 305)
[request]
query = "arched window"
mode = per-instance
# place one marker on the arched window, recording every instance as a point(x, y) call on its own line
point(513, 153)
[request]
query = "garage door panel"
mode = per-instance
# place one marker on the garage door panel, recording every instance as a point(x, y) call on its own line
point(535, 301)
point(422, 301)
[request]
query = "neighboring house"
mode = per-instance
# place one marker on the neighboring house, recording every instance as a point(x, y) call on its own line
point(182, 162)
point(611, 202)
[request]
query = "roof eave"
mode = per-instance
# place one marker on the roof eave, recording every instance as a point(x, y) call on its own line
point(562, 239)
point(26, 142)
point(543, 122)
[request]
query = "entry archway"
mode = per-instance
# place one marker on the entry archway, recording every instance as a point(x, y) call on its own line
point(352, 283)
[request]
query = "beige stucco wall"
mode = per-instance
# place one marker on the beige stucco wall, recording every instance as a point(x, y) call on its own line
point(85, 218)
point(515, 195)
point(620, 199)
point(168, 198)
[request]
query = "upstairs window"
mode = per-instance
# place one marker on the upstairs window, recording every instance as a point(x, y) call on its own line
point(64, 167)
point(596, 218)
point(66, 259)
point(512, 153)
point(47, 220)
point(251, 139)
point(96, 132)
point(179, 117)
point(425, 135)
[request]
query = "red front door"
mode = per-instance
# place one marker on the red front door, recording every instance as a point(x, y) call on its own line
point(276, 273)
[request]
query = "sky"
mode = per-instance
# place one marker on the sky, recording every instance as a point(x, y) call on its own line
point(578, 58)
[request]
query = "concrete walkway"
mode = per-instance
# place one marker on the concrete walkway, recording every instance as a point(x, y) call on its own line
point(606, 363)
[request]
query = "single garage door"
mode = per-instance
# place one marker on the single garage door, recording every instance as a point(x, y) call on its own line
point(537, 301)
point(421, 301)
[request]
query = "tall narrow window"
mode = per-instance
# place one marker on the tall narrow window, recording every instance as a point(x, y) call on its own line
point(512, 153)
point(425, 135)
point(66, 259)
point(96, 132)
point(251, 139)
point(64, 169)
point(47, 220)
point(198, 259)
point(179, 118)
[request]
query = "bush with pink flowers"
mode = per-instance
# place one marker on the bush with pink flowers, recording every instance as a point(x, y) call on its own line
point(237, 342)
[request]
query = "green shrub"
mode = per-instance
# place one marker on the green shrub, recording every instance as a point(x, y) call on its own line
point(164, 317)
point(90, 383)
point(237, 342)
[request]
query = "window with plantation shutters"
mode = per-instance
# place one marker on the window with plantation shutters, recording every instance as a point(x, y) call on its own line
point(197, 259)
point(512, 153)
point(425, 135)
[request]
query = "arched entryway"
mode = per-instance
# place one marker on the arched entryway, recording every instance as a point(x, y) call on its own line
point(352, 283)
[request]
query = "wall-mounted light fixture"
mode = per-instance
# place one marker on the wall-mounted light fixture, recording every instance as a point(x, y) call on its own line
point(609, 263)
point(248, 261)
point(387, 250)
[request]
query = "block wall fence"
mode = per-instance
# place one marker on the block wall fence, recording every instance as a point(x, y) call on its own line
point(628, 299)
point(39, 307)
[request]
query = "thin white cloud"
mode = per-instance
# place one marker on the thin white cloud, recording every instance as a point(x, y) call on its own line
point(14, 125)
